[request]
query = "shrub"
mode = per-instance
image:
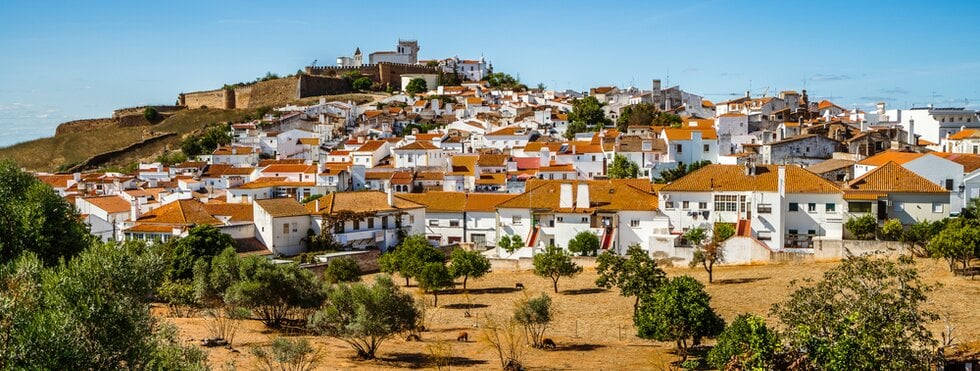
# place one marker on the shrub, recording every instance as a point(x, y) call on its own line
point(535, 314)
point(343, 269)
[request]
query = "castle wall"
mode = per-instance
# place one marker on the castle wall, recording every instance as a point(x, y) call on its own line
point(311, 86)
point(386, 74)
point(210, 99)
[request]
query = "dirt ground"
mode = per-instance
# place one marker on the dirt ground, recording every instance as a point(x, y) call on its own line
point(593, 329)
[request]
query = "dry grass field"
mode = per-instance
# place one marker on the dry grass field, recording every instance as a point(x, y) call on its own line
point(593, 329)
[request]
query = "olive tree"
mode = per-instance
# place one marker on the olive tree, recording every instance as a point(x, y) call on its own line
point(584, 243)
point(468, 264)
point(343, 269)
point(555, 263)
point(409, 257)
point(635, 274)
point(435, 277)
point(746, 344)
point(365, 316)
point(534, 314)
point(678, 310)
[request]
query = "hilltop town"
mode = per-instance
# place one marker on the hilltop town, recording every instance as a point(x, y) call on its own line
point(352, 160)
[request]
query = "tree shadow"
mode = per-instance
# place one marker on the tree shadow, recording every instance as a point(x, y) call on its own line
point(420, 360)
point(735, 281)
point(579, 347)
point(594, 290)
point(488, 290)
point(464, 306)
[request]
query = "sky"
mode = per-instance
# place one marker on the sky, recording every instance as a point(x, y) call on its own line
point(66, 60)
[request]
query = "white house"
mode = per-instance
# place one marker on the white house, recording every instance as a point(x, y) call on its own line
point(934, 124)
point(687, 145)
point(891, 191)
point(780, 206)
point(418, 153)
point(941, 171)
point(453, 217)
point(366, 219)
point(371, 153)
point(281, 225)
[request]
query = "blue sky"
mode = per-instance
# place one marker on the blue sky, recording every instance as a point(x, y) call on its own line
point(72, 59)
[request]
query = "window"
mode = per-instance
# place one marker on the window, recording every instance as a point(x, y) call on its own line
point(707, 147)
point(859, 207)
point(669, 205)
point(937, 207)
point(454, 223)
point(793, 206)
point(812, 232)
point(561, 219)
point(765, 208)
point(285, 228)
point(634, 223)
point(679, 148)
point(686, 205)
point(811, 207)
point(294, 228)
point(585, 219)
point(793, 232)
point(726, 202)
point(703, 205)
point(830, 208)
point(370, 223)
point(516, 220)
point(384, 222)
point(898, 206)
point(338, 228)
point(433, 223)
point(357, 225)
point(411, 219)
point(949, 184)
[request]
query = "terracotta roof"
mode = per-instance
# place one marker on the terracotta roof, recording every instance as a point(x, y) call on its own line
point(239, 150)
point(429, 175)
point(370, 146)
point(309, 141)
point(456, 202)
point(264, 163)
point(110, 204)
point(970, 162)
point(830, 165)
point(604, 195)
point(527, 162)
point(237, 212)
point(892, 177)
point(492, 179)
point(899, 157)
point(264, 182)
point(299, 168)
point(967, 133)
point(282, 207)
point(238, 171)
point(707, 103)
point(923, 142)
point(362, 201)
point(732, 114)
point(720, 178)
point(464, 165)
point(685, 133)
point(489, 159)
point(179, 213)
point(508, 131)
point(423, 145)
point(56, 180)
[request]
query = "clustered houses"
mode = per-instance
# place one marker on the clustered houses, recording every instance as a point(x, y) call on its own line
point(471, 163)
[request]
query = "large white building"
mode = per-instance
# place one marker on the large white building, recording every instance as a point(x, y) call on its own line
point(934, 124)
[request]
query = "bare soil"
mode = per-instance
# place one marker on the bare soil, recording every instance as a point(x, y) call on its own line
point(594, 326)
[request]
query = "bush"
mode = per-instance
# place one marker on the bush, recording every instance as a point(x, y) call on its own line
point(535, 315)
point(678, 310)
point(892, 230)
point(584, 243)
point(150, 114)
point(343, 269)
point(362, 83)
point(287, 354)
point(748, 343)
point(416, 86)
point(862, 227)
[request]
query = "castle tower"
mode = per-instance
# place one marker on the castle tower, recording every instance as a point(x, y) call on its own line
point(358, 59)
point(411, 48)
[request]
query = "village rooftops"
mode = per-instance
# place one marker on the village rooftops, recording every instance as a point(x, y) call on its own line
point(109, 204)
point(456, 202)
point(764, 178)
point(889, 178)
point(604, 196)
point(358, 202)
point(898, 157)
point(970, 162)
point(419, 145)
point(282, 207)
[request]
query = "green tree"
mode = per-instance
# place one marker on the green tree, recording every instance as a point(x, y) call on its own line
point(555, 263)
point(678, 310)
point(958, 242)
point(892, 230)
point(35, 219)
point(919, 234)
point(502, 80)
point(202, 242)
point(468, 264)
point(534, 314)
point(409, 257)
point(635, 115)
point(636, 274)
point(150, 114)
point(746, 344)
point(276, 292)
point(862, 227)
point(92, 312)
point(584, 243)
point(865, 314)
point(365, 316)
point(179, 296)
point(586, 113)
point(667, 119)
point(448, 79)
point(706, 254)
point(343, 269)
point(434, 277)
point(285, 354)
point(416, 86)
point(310, 198)
point(510, 243)
point(623, 168)
point(678, 172)
point(363, 83)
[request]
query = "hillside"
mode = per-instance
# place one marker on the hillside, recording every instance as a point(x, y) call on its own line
point(48, 154)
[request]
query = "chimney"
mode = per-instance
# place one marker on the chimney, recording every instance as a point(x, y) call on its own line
point(748, 94)
point(911, 132)
point(545, 156)
point(782, 181)
point(864, 125)
point(317, 205)
point(134, 209)
point(77, 177)
point(323, 118)
point(234, 150)
point(582, 197)
point(360, 140)
point(391, 197)
point(565, 196)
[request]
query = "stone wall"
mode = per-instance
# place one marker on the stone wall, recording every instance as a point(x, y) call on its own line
point(104, 157)
point(218, 98)
point(311, 86)
point(83, 125)
point(139, 110)
point(386, 74)
point(524, 264)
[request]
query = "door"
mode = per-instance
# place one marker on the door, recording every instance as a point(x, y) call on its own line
point(882, 209)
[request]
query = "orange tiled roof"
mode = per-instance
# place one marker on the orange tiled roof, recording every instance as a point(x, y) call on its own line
point(282, 207)
point(489, 159)
point(362, 201)
point(970, 162)
point(892, 178)
point(288, 168)
point(899, 157)
point(721, 178)
point(56, 180)
point(237, 212)
point(964, 134)
point(457, 202)
point(604, 195)
point(179, 213)
point(464, 165)
point(423, 145)
point(685, 133)
point(111, 204)
point(371, 146)
point(264, 182)
point(492, 179)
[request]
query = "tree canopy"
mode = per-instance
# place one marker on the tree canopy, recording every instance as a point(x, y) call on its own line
point(584, 243)
point(416, 86)
point(535, 314)
point(365, 316)
point(865, 314)
point(645, 114)
point(468, 264)
point(635, 274)
point(586, 114)
point(555, 263)
point(343, 269)
point(202, 242)
point(958, 242)
point(862, 227)
point(409, 257)
point(511, 243)
point(678, 310)
point(680, 171)
point(434, 277)
point(36, 219)
point(623, 168)
point(746, 344)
